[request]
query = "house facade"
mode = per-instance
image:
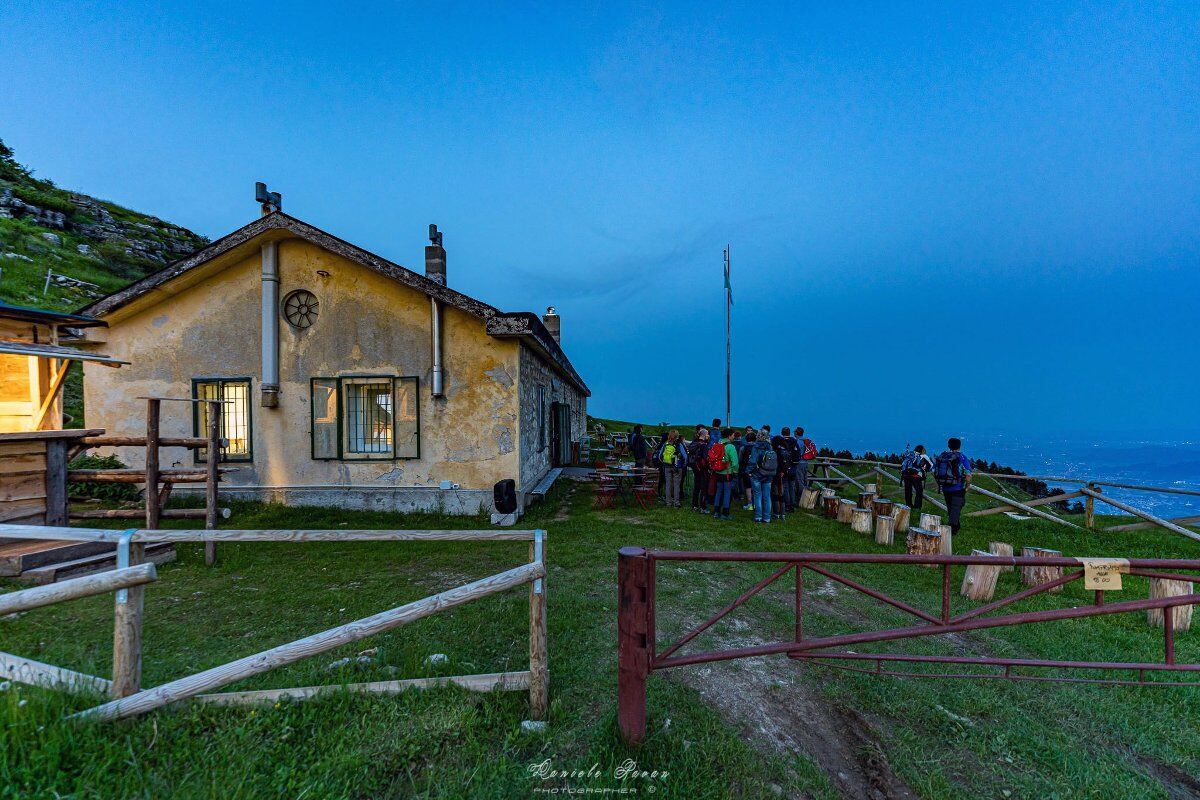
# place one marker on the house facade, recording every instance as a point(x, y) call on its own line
point(346, 379)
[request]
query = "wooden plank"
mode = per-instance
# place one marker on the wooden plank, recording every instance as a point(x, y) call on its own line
point(133, 513)
point(26, 599)
point(847, 477)
point(22, 487)
point(16, 465)
point(152, 414)
point(1041, 501)
point(134, 475)
point(212, 477)
point(495, 681)
point(127, 634)
point(57, 504)
point(17, 509)
point(1146, 515)
point(106, 561)
point(232, 535)
point(1141, 526)
point(1037, 512)
point(18, 556)
point(22, 448)
point(51, 395)
point(75, 433)
point(14, 531)
point(539, 659)
point(191, 442)
point(292, 652)
point(35, 673)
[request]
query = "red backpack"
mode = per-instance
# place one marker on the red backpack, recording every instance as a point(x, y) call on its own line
point(718, 459)
point(810, 450)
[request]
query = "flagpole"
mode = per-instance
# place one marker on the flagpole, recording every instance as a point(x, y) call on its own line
point(728, 343)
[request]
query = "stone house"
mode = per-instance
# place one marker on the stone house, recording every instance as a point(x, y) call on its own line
point(347, 380)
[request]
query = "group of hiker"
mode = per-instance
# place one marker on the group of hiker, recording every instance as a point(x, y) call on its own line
point(767, 472)
point(731, 466)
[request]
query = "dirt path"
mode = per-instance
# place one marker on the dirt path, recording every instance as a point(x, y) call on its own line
point(768, 701)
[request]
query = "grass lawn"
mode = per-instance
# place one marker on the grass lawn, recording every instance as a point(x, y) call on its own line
point(763, 727)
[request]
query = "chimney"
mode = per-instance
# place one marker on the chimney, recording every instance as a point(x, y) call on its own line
point(553, 324)
point(435, 257)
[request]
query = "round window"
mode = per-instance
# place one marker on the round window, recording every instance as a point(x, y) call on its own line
point(300, 308)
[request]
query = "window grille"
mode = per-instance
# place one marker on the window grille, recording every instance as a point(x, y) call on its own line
point(234, 423)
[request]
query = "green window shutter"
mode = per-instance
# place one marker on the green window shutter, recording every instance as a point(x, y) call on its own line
point(325, 418)
point(407, 394)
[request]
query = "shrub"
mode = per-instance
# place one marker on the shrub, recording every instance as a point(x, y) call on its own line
point(111, 492)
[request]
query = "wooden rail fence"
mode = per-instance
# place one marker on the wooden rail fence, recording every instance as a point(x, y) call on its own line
point(130, 699)
point(829, 471)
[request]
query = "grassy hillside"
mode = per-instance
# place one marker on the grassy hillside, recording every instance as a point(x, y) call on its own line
point(92, 247)
point(61, 250)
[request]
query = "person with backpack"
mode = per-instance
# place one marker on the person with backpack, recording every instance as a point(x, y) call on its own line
point(741, 481)
point(780, 482)
point(673, 456)
point(913, 468)
point(808, 453)
point(656, 460)
point(952, 471)
point(723, 462)
point(637, 447)
point(789, 459)
point(761, 465)
point(698, 461)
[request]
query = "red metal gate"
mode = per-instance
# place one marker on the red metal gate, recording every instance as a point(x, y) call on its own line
point(638, 654)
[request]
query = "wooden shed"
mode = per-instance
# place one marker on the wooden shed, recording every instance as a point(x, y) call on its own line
point(34, 359)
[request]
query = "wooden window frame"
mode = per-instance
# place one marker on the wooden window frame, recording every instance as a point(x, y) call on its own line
point(225, 458)
point(340, 382)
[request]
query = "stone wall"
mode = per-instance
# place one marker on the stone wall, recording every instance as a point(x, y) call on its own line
point(534, 373)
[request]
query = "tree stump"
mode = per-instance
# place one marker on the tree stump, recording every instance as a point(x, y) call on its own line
point(831, 503)
point(947, 541)
point(979, 583)
point(860, 520)
point(1036, 576)
point(808, 498)
point(921, 542)
point(900, 517)
point(882, 508)
point(1001, 549)
point(884, 530)
point(1181, 616)
point(930, 522)
point(845, 511)
point(865, 499)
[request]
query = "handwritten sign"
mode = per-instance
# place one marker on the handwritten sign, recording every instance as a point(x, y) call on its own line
point(1103, 573)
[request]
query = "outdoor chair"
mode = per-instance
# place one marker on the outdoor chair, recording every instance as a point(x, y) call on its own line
point(646, 492)
point(606, 490)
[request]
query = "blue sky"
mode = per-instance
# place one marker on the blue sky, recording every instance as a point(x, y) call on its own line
point(965, 217)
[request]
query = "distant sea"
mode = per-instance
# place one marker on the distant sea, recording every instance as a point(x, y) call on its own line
point(1147, 462)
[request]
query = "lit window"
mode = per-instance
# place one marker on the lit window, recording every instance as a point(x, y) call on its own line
point(365, 418)
point(234, 423)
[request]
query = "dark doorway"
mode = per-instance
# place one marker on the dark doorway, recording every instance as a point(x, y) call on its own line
point(560, 434)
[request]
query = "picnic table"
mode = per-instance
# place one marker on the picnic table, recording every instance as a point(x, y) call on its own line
point(625, 477)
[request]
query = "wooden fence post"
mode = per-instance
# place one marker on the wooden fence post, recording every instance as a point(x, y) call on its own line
point(633, 642)
point(127, 625)
point(1089, 508)
point(539, 666)
point(153, 407)
point(211, 477)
